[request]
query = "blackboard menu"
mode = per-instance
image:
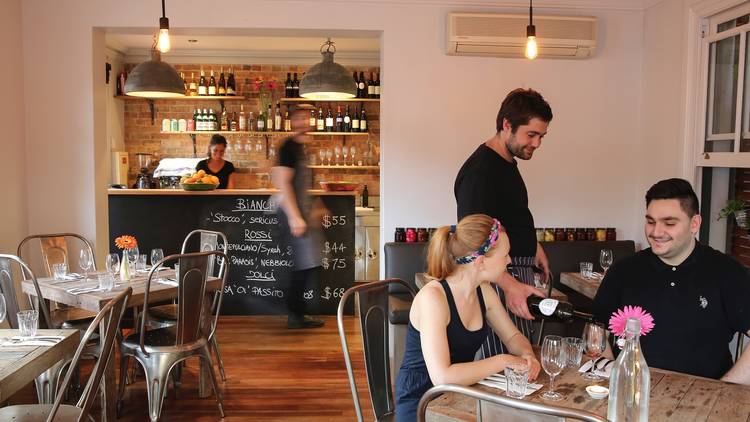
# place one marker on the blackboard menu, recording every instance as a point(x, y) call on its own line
point(260, 263)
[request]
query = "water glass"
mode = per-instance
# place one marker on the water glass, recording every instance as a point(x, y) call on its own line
point(587, 268)
point(28, 321)
point(156, 256)
point(59, 270)
point(106, 281)
point(594, 344)
point(573, 351)
point(140, 264)
point(516, 379)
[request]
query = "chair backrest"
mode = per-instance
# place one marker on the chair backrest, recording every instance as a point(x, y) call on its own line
point(373, 316)
point(209, 241)
point(403, 261)
point(529, 407)
point(8, 289)
point(53, 248)
point(192, 279)
point(110, 316)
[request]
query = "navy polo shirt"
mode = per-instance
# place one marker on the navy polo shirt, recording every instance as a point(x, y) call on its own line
point(697, 307)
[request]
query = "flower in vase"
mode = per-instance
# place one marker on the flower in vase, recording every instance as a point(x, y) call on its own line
point(126, 242)
point(619, 319)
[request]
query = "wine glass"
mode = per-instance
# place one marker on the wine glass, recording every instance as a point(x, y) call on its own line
point(594, 344)
point(157, 254)
point(345, 152)
point(322, 154)
point(337, 151)
point(113, 263)
point(329, 155)
point(353, 152)
point(605, 259)
point(133, 258)
point(84, 260)
point(248, 146)
point(553, 362)
point(258, 145)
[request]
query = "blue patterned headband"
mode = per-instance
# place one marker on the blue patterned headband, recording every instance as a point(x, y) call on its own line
point(497, 228)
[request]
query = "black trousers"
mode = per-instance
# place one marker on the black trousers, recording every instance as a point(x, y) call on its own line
point(298, 283)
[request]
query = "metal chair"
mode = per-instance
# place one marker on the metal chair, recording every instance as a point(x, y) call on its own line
point(111, 314)
point(160, 350)
point(527, 408)
point(373, 316)
point(209, 241)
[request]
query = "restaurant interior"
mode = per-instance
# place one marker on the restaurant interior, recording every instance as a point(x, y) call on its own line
point(116, 249)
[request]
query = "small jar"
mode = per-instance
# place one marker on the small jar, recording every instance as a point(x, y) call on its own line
point(601, 234)
point(431, 232)
point(560, 235)
point(540, 235)
point(411, 235)
point(611, 233)
point(421, 234)
point(549, 235)
point(580, 234)
point(590, 234)
point(570, 234)
point(400, 235)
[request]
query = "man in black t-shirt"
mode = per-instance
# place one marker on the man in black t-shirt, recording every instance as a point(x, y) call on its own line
point(699, 298)
point(489, 183)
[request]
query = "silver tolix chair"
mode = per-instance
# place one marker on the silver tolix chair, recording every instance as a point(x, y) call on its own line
point(160, 350)
point(209, 241)
point(111, 315)
point(509, 409)
point(372, 298)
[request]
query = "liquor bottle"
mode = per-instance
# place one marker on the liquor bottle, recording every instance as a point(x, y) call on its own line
point(377, 86)
point(554, 309)
point(362, 86)
point(261, 121)
point(370, 87)
point(356, 83)
point(277, 121)
point(339, 120)
point(313, 120)
point(184, 84)
point(233, 123)
point(193, 88)
point(329, 120)
point(222, 83)
point(630, 380)
point(287, 122)
point(355, 121)
point(288, 90)
point(320, 123)
point(242, 122)
point(269, 119)
point(251, 122)
point(202, 87)
point(365, 197)
point(231, 84)
point(347, 121)
point(295, 86)
point(212, 84)
point(224, 119)
point(213, 119)
point(363, 119)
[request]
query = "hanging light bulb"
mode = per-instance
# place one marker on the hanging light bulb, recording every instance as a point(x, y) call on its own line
point(163, 44)
point(531, 48)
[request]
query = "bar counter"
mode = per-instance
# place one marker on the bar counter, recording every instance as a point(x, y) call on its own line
point(315, 192)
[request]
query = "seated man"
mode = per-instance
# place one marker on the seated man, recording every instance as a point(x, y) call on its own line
point(699, 297)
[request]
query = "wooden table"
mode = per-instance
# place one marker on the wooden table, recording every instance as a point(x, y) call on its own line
point(584, 286)
point(20, 365)
point(674, 397)
point(56, 291)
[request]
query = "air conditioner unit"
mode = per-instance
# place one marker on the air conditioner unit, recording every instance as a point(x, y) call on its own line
point(504, 35)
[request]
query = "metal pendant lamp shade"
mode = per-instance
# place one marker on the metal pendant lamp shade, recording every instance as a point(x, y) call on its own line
point(327, 80)
point(154, 79)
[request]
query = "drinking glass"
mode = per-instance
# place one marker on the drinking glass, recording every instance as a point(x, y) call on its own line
point(553, 362)
point(113, 263)
point(573, 351)
point(140, 264)
point(248, 146)
point(258, 145)
point(345, 152)
point(2, 308)
point(106, 281)
point(157, 255)
point(587, 269)
point(516, 379)
point(605, 259)
point(322, 154)
point(541, 282)
point(337, 151)
point(28, 322)
point(329, 155)
point(59, 270)
point(85, 261)
point(132, 258)
point(353, 152)
point(594, 344)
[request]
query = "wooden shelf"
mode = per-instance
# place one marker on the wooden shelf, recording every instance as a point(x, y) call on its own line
point(187, 98)
point(346, 167)
point(237, 132)
point(349, 100)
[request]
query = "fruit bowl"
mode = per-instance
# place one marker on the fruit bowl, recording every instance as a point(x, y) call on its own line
point(198, 186)
point(339, 186)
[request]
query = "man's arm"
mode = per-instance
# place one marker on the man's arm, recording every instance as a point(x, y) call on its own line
point(740, 372)
point(516, 294)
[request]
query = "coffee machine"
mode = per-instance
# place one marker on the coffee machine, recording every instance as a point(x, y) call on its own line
point(143, 180)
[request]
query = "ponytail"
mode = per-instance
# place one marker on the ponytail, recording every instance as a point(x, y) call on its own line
point(440, 262)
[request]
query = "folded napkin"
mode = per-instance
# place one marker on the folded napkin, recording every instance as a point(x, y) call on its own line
point(603, 367)
point(498, 381)
point(72, 276)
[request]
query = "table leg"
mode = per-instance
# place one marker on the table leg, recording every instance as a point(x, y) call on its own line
point(109, 382)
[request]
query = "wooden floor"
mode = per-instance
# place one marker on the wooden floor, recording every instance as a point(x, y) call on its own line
point(273, 374)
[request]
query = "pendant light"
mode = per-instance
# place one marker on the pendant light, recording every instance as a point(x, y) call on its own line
point(163, 43)
point(154, 79)
point(531, 48)
point(327, 80)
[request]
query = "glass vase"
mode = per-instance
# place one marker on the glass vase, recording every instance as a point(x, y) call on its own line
point(125, 266)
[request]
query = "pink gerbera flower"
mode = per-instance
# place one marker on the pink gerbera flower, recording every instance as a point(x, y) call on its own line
point(619, 319)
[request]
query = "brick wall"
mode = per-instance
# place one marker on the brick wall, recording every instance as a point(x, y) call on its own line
point(253, 166)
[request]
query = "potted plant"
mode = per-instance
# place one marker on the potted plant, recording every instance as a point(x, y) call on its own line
point(737, 208)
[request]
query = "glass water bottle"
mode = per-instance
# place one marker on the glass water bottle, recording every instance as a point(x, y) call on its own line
point(629, 384)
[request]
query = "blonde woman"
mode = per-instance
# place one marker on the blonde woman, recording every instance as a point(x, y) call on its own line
point(451, 315)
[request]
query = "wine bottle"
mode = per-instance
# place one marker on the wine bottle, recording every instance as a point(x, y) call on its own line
point(362, 86)
point(370, 87)
point(339, 120)
point(277, 119)
point(222, 83)
point(313, 119)
point(261, 121)
point(224, 119)
point(269, 119)
point(347, 121)
point(288, 90)
point(320, 124)
point(329, 120)
point(363, 119)
point(250, 121)
point(295, 86)
point(192, 88)
point(196, 119)
point(377, 86)
point(233, 123)
point(242, 122)
point(213, 119)
point(184, 84)
point(355, 121)
point(212, 84)
point(287, 122)
point(554, 309)
point(356, 83)
point(231, 83)
point(202, 87)
point(365, 197)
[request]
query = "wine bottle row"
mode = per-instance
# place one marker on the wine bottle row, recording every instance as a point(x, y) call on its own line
point(210, 86)
point(367, 88)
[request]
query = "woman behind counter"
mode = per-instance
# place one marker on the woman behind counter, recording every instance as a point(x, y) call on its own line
point(215, 163)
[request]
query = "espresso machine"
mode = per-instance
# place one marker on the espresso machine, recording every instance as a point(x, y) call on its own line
point(143, 180)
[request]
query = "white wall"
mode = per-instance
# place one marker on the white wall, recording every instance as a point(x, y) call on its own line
point(435, 108)
point(13, 225)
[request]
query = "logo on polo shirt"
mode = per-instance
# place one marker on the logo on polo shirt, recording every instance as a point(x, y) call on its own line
point(702, 302)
